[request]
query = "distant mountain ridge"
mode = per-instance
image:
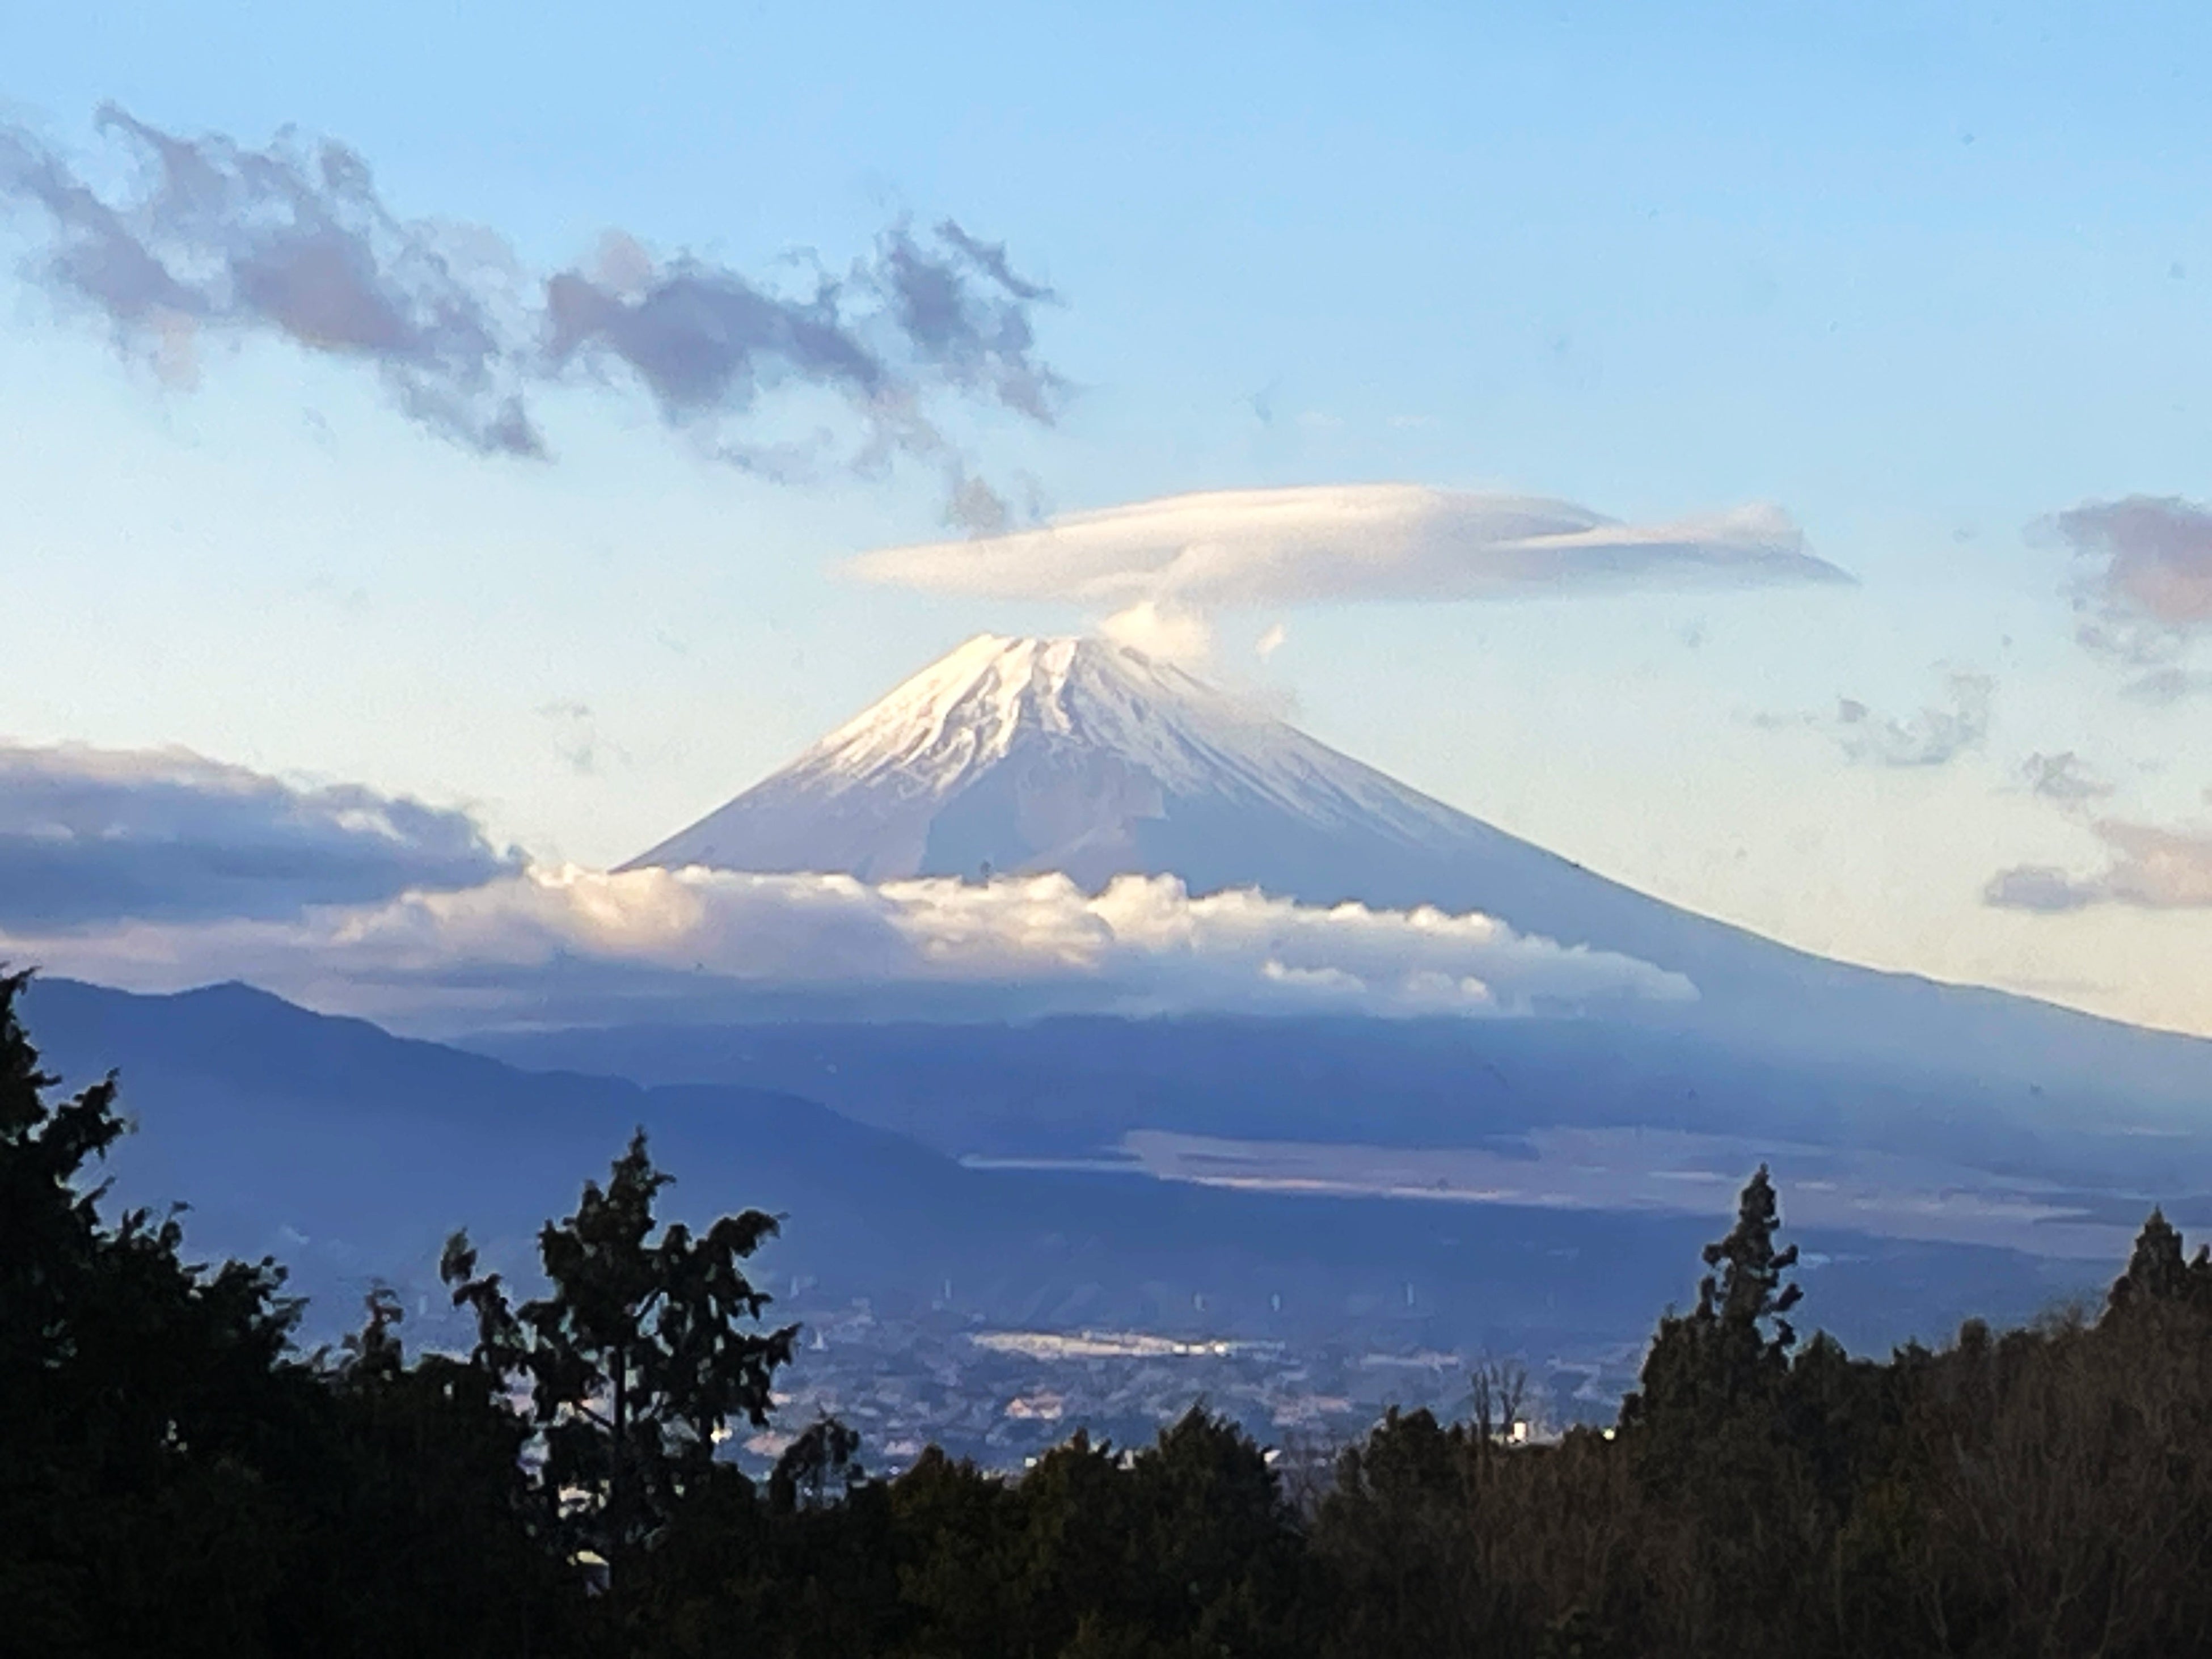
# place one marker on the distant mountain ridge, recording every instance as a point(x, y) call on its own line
point(349, 1154)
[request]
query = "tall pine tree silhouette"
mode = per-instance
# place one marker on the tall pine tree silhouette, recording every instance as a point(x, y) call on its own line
point(636, 1359)
point(1734, 1343)
point(2160, 1274)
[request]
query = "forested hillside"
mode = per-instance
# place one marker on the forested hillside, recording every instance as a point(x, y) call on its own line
point(181, 1477)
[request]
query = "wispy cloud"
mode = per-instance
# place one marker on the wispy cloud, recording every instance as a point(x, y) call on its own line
point(293, 241)
point(281, 241)
point(2150, 868)
point(92, 838)
point(2164, 687)
point(707, 343)
point(1934, 735)
point(2148, 584)
point(2065, 777)
point(582, 747)
point(1197, 555)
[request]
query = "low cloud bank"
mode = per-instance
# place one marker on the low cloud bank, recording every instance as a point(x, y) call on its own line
point(1228, 550)
point(91, 838)
point(569, 946)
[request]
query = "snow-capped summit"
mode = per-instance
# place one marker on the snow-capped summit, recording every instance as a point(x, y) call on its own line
point(1041, 754)
point(976, 707)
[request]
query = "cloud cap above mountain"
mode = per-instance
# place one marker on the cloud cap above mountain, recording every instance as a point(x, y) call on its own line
point(1339, 543)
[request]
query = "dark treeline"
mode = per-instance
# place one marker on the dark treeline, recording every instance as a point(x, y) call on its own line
point(178, 1477)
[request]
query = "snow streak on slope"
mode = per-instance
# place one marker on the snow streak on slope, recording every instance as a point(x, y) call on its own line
point(1049, 754)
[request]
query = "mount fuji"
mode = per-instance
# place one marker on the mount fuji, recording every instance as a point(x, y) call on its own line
point(1020, 755)
point(1023, 756)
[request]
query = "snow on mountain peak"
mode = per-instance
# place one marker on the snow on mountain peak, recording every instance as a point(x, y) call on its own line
point(1064, 745)
point(973, 708)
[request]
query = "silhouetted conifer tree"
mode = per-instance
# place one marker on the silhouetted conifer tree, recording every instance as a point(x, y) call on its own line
point(1734, 1343)
point(635, 1359)
point(2158, 1275)
point(137, 1396)
point(820, 1465)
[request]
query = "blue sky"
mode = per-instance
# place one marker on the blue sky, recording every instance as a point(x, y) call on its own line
point(1920, 276)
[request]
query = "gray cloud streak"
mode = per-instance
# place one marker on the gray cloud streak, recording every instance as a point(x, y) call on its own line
point(2043, 887)
point(294, 242)
point(2151, 869)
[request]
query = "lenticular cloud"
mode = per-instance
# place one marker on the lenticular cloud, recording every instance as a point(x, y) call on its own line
point(568, 945)
point(1226, 549)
